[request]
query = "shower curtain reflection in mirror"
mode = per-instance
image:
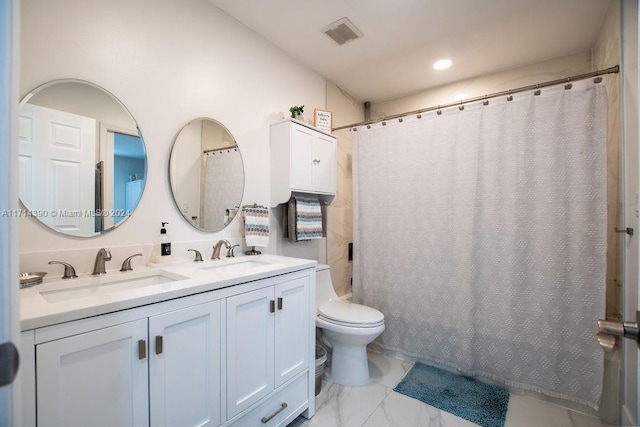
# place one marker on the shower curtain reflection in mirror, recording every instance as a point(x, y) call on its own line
point(481, 236)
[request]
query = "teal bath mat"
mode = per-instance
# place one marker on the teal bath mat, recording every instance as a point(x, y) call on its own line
point(480, 403)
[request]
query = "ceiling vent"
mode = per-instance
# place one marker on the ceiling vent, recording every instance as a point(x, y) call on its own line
point(342, 31)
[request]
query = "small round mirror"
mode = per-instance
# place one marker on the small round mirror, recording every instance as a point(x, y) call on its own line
point(207, 174)
point(83, 162)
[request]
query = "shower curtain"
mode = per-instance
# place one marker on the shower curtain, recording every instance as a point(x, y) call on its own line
point(222, 189)
point(480, 234)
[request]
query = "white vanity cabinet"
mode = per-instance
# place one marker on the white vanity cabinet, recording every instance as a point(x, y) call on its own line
point(184, 367)
point(95, 378)
point(267, 343)
point(239, 355)
point(303, 160)
point(160, 371)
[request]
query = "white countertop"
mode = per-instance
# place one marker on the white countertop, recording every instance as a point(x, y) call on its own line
point(56, 301)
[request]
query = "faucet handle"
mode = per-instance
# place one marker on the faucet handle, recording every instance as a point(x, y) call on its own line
point(198, 255)
point(230, 251)
point(69, 271)
point(126, 264)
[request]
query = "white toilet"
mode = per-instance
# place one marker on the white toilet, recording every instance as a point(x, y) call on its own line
point(348, 328)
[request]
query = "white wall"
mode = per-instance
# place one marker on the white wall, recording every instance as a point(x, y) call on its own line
point(169, 62)
point(580, 62)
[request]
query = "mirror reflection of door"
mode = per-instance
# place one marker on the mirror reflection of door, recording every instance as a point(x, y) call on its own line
point(74, 137)
point(57, 158)
point(124, 165)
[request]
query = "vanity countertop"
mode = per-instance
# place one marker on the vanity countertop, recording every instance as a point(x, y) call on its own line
point(56, 301)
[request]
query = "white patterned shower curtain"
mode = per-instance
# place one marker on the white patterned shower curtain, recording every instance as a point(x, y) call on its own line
point(223, 187)
point(481, 236)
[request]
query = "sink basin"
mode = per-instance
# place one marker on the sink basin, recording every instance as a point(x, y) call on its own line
point(104, 285)
point(235, 267)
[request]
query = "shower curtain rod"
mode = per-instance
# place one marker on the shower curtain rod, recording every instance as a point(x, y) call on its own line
point(219, 149)
point(567, 80)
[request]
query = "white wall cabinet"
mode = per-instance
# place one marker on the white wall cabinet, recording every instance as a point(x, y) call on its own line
point(267, 342)
point(303, 160)
point(235, 356)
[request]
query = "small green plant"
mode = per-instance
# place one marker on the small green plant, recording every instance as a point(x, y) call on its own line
point(296, 110)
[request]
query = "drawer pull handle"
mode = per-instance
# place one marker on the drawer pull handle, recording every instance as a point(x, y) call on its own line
point(142, 349)
point(272, 306)
point(279, 303)
point(265, 420)
point(158, 344)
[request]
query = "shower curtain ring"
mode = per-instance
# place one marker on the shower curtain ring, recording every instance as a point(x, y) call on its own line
point(568, 85)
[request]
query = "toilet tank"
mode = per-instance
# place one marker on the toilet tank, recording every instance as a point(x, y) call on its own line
point(324, 286)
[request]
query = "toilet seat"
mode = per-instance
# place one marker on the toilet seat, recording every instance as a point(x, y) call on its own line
point(350, 314)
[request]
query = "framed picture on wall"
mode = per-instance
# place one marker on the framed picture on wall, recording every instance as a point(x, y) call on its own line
point(322, 120)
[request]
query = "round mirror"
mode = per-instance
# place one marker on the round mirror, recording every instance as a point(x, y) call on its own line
point(82, 162)
point(207, 174)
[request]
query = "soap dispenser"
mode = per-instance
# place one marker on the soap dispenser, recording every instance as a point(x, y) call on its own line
point(165, 242)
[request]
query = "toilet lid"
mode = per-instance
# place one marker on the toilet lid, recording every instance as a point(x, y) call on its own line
point(348, 313)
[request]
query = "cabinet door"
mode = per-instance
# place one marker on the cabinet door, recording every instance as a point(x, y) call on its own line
point(250, 335)
point(292, 329)
point(185, 368)
point(324, 164)
point(98, 378)
point(302, 166)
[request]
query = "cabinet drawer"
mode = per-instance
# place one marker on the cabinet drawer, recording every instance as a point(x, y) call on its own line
point(294, 396)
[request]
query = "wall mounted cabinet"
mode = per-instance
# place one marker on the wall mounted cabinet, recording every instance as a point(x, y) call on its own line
point(303, 160)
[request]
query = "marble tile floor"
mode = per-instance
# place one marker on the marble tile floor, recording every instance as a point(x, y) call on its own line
point(377, 405)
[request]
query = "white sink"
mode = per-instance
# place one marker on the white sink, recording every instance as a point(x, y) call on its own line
point(104, 285)
point(240, 266)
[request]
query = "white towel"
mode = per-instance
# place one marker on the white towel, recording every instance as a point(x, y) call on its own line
point(256, 225)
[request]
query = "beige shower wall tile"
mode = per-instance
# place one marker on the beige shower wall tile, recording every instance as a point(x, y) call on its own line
point(340, 219)
point(606, 53)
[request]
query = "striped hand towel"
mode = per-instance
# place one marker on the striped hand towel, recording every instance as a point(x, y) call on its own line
point(256, 225)
point(308, 217)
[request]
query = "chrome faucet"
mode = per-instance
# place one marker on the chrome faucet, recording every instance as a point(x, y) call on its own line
point(230, 253)
point(126, 264)
point(69, 271)
point(198, 255)
point(102, 256)
point(216, 248)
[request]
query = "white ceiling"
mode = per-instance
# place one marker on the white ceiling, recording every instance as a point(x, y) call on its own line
point(403, 38)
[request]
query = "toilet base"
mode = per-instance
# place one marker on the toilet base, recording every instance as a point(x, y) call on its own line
point(349, 365)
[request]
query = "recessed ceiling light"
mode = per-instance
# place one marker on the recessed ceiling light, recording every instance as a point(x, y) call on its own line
point(442, 64)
